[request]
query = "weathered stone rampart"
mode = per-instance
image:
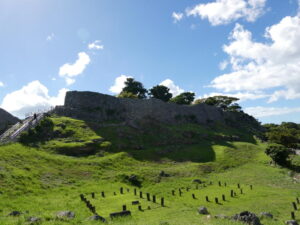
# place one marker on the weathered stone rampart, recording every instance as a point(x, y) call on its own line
point(103, 108)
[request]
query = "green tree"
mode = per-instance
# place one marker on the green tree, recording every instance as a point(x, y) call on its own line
point(185, 98)
point(224, 102)
point(134, 87)
point(160, 92)
point(125, 94)
point(279, 154)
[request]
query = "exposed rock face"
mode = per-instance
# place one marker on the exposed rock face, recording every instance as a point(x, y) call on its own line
point(99, 107)
point(6, 119)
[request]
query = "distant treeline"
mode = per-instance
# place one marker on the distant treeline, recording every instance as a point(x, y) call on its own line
point(135, 89)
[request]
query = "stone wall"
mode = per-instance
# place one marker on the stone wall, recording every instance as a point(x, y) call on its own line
point(102, 108)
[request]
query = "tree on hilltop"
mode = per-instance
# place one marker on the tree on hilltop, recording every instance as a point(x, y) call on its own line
point(226, 103)
point(135, 88)
point(160, 92)
point(185, 98)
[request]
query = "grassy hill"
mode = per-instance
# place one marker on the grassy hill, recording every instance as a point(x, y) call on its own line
point(44, 177)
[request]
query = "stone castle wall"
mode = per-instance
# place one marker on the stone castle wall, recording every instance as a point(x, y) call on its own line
point(101, 108)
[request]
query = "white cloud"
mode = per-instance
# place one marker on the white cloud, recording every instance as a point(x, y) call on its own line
point(174, 89)
point(223, 65)
point(260, 66)
point(119, 84)
point(1, 84)
point(226, 11)
point(95, 45)
point(260, 111)
point(50, 37)
point(69, 71)
point(30, 98)
point(177, 16)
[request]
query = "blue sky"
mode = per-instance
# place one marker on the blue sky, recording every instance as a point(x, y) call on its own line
point(244, 48)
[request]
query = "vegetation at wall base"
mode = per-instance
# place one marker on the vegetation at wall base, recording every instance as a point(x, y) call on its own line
point(42, 178)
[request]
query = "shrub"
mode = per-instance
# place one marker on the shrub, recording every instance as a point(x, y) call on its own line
point(279, 154)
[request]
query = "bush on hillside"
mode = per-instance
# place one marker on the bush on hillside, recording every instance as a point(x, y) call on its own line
point(279, 154)
point(42, 132)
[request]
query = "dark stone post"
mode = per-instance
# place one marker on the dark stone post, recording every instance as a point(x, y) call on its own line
point(148, 197)
point(223, 198)
point(93, 194)
point(217, 200)
point(121, 190)
point(193, 195)
point(238, 185)
point(154, 198)
point(103, 194)
point(295, 206)
point(173, 192)
point(293, 215)
point(162, 202)
point(206, 198)
point(135, 191)
point(141, 194)
point(124, 208)
point(220, 184)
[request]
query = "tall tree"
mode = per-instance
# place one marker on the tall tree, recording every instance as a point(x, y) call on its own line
point(134, 87)
point(185, 98)
point(224, 102)
point(160, 92)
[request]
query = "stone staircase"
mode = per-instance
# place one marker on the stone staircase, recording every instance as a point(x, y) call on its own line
point(13, 133)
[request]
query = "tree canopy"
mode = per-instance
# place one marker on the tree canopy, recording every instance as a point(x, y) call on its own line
point(135, 88)
point(287, 134)
point(185, 98)
point(226, 103)
point(160, 92)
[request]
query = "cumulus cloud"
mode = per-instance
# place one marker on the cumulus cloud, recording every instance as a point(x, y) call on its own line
point(258, 66)
point(177, 16)
point(95, 45)
point(174, 89)
point(226, 11)
point(1, 84)
point(260, 111)
point(32, 97)
point(119, 84)
point(69, 71)
point(223, 65)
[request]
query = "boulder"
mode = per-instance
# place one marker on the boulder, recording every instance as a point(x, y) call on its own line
point(33, 220)
point(247, 217)
point(163, 174)
point(291, 222)
point(221, 216)
point(266, 215)
point(15, 213)
point(203, 210)
point(96, 217)
point(65, 215)
point(197, 181)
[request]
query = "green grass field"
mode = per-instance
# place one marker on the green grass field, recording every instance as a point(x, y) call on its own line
point(39, 182)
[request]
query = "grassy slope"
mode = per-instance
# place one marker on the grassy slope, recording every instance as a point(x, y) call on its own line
point(42, 183)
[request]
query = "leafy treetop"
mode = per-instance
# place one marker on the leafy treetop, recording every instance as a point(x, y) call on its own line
point(134, 87)
point(226, 103)
point(185, 98)
point(160, 92)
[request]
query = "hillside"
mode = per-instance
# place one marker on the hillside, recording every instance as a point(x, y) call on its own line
point(154, 158)
point(6, 120)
